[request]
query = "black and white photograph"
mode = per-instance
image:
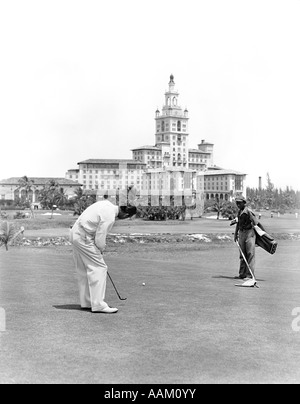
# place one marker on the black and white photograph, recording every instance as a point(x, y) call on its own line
point(149, 194)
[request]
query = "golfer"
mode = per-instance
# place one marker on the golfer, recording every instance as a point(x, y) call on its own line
point(88, 236)
point(245, 235)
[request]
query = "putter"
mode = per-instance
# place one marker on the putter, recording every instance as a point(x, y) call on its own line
point(251, 282)
point(121, 298)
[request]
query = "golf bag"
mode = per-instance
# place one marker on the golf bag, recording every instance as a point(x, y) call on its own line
point(265, 240)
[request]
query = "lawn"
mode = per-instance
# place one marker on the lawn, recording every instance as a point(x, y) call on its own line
point(44, 220)
point(64, 219)
point(187, 324)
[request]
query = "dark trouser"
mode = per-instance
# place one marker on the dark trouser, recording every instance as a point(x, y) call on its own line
point(247, 243)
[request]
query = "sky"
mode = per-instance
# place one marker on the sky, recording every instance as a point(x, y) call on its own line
point(82, 79)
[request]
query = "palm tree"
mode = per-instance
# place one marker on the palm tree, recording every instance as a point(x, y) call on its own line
point(78, 192)
point(52, 195)
point(27, 185)
point(8, 233)
point(214, 205)
point(59, 198)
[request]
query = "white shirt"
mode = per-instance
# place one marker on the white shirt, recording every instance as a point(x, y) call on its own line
point(97, 221)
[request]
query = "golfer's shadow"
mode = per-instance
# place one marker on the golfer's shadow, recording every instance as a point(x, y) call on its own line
point(70, 307)
point(222, 277)
point(232, 277)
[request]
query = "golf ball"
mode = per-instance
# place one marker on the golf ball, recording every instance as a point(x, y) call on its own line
point(143, 284)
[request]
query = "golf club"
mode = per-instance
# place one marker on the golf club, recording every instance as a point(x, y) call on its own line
point(250, 282)
point(121, 298)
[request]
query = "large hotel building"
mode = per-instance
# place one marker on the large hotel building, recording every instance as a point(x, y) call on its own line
point(168, 166)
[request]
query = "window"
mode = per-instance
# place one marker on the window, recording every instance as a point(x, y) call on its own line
point(238, 182)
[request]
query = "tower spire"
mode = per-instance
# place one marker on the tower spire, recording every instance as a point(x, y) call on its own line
point(172, 130)
point(171, 83)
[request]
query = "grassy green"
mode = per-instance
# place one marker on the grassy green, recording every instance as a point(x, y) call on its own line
point(42, 221)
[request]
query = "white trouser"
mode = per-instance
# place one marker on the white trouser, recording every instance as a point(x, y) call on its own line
point(91, 270)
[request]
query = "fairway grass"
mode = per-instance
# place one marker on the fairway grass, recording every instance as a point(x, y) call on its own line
point(187, 324)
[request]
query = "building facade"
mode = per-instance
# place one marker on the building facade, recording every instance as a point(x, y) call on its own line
point(108, 174)
point(223, 184)
point(11, 191)
point(168, 166)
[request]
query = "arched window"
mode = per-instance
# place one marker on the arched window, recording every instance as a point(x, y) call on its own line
point(16, 195)
point(23, 195)
point(174, 101)
point(178, 126)
point(163, 126)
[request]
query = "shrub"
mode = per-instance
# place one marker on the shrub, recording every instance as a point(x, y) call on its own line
point(3, 215)
point(158, 213)
point(14, 208)
point(20, 215)
point(6, 202)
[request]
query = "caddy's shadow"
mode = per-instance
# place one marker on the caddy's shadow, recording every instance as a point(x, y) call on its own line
point(232, 277)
